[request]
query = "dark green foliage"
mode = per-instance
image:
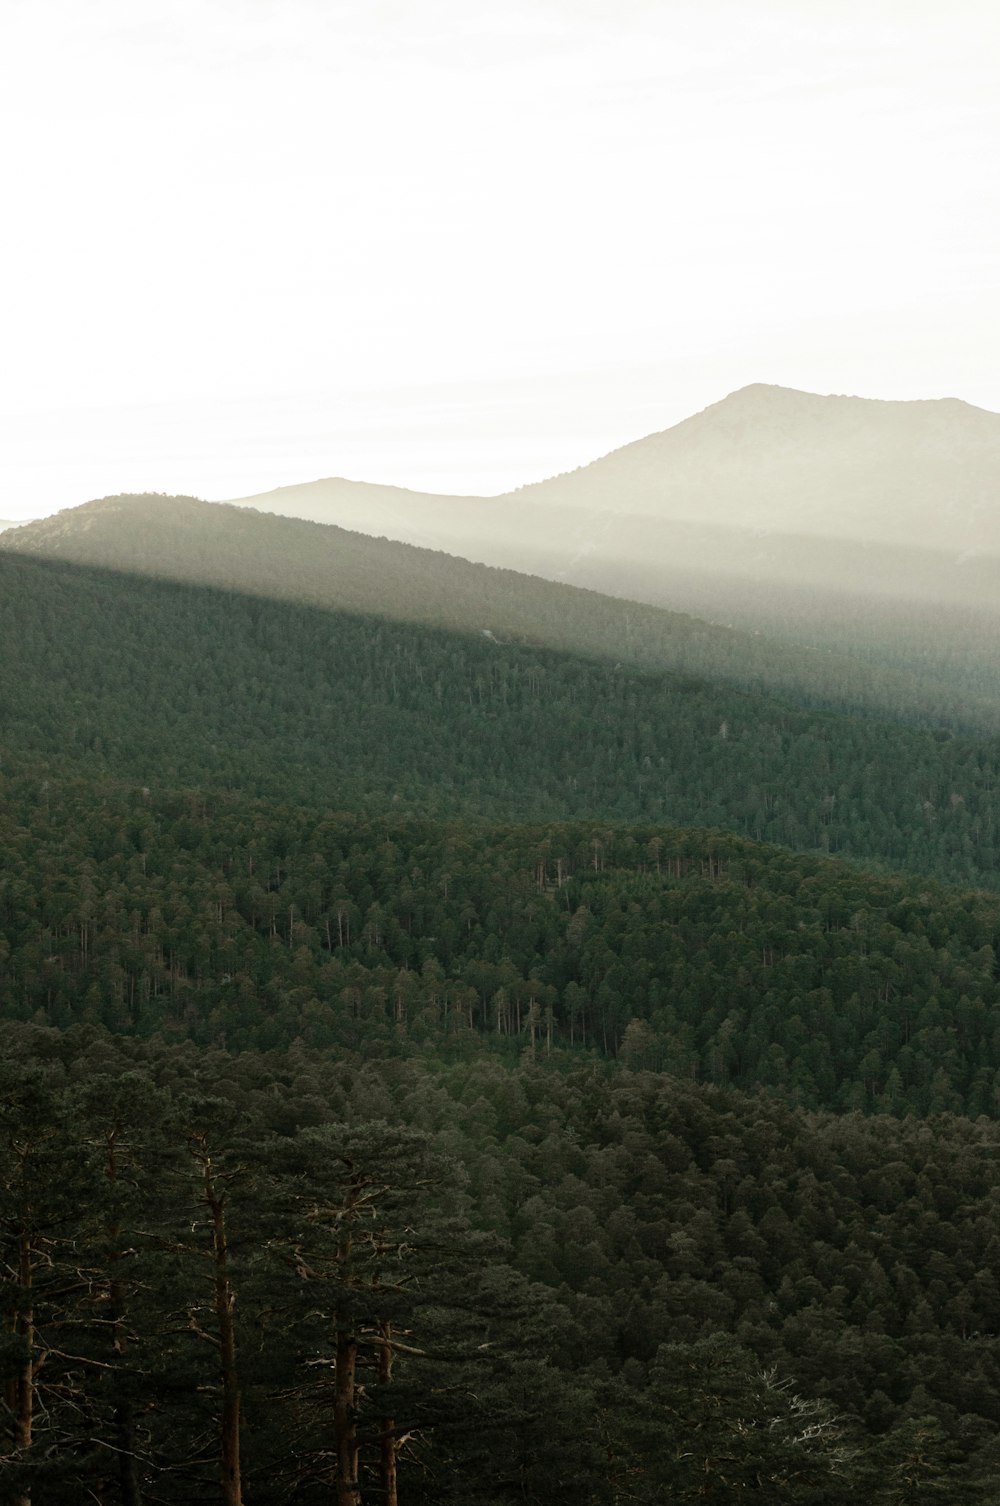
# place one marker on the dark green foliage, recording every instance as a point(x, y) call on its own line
point(333, 1229)
point(712, 1425)
point(239, 549)
point(171, 685)
point(239, 923)
point(634, 1147)
point(695, 1283)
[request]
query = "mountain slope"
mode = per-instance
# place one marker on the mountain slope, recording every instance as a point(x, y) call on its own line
point(775, 460)
point(765, 459)
point(768, 489)
point(746, 964)
point(395, 512)
point(181, 538)
point(686, 1246)
point(181, 685)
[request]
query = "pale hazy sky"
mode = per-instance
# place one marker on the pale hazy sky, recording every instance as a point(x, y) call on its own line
point(462, 245)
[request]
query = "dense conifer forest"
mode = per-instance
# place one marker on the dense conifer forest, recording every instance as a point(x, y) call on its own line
point(176, 685)
point(440, 1068)
point(838, 654)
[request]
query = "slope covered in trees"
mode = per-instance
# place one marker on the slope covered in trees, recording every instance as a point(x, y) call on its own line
point(180, 538)
point(408, 1097)
point(242, 924)
point(257, 1278)
point(177, 685)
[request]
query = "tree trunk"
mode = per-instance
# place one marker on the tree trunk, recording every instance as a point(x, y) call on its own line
point(225, 1305)
point(387, 1431)
point(24, 1385)
point(124, 1412)
point(345, 1412)
point(345, 1420)
point(225, 1302)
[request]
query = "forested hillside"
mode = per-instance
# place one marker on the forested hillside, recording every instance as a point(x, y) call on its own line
point(945, 651)
point(177, 685)
point(246, 924)
point(238, 549)
point(483, 1284)
point(420, 1082)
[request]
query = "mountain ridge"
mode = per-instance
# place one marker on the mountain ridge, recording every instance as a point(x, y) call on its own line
point(924, 603)
point(774, 471)
point(785, 461)
point(743, 401)
point(291, 559)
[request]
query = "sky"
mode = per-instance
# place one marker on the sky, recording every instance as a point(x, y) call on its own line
point(460, 245)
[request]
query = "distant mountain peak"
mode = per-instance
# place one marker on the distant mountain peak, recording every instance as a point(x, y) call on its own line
point(765, 463)
point(765, 392)
point(768, 397)
point(770, 459)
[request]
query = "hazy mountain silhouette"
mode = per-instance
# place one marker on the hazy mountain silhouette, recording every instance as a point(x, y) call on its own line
point(921, 473)
point(894, 559)
point(770, 489)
